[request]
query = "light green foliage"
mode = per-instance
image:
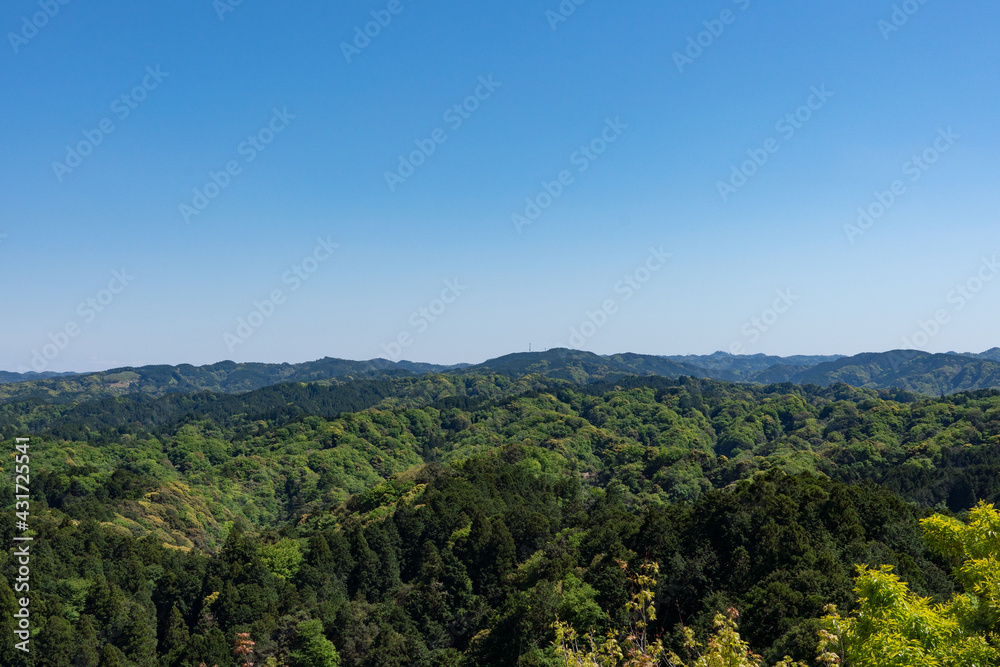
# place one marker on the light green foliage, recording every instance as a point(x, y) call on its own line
point(725, 648)
point(316, 650)
point(578, 606)
point(896, 628)
point(282, 558)
point(975, 548)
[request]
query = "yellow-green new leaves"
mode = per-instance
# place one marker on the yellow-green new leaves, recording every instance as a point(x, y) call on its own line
point(895, 628)
point(283, 559)
point(632, 646)
point(727, 649)
point(975, 548)
point(978, 539)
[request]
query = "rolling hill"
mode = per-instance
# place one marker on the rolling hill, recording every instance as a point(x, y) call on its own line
point(911, 370)
point(7, 377)
point(931, 374)
point(226, 376)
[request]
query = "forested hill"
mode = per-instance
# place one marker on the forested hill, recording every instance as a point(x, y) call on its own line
point(7, 377)
point(992, 354)
point(750, 366)
point(582, 367)
point(921, 372)
point(929, 374)
point(225, 376)
point(448, 519)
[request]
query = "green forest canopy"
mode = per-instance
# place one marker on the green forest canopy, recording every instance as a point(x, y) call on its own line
point(449, 519)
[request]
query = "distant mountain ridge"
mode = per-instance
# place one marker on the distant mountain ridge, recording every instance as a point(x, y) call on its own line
point(226, 376)
point(748, 367)
point(921, 372)
point(579, 366)
point(911, 370)
point(7, 377)
point(991, 354)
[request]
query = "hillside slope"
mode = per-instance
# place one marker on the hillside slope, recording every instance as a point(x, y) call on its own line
point(225, 376)
point(929, 374)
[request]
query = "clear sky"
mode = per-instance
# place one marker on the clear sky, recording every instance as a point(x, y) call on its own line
point(217, 156)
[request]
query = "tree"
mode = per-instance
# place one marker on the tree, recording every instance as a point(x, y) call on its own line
point(87, 654)
point(628, 647)
point(895, 628)
point(638, 644)
point(55, 643)
point(283, 558)
point(139, 639)
point(243, 650)
point(726, 648)
point(112, 657)
point(177, 634)
point(632, 646)
point(316, 650)
point(974, 549)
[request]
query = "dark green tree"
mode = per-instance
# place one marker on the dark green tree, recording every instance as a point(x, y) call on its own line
point(112, 657)
point(55, 644)
point(87, 651)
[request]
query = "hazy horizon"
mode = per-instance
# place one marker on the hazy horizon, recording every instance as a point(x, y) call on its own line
point(475, 362)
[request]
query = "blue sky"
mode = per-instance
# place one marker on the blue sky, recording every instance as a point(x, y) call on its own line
point(618, 100)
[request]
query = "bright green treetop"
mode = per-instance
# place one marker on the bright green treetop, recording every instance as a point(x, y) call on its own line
point(895, 628)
